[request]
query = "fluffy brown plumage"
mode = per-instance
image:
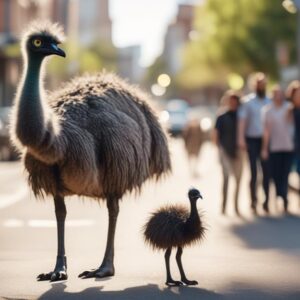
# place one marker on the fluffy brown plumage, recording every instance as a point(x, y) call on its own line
point(175, 226)
point(171, 226)
point(110, 143)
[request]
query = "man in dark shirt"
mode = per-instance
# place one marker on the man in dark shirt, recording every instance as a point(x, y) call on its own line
point(226, 126)
point(225, 136)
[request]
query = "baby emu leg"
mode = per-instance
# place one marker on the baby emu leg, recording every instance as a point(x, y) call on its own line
point(107, 266)
point(182, 274)
point(170, 281)
point(60, 270)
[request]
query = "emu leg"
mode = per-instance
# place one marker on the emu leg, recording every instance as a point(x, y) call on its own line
point(60, 269)
point(107, 266)
point(182, 274)
point(170, 281)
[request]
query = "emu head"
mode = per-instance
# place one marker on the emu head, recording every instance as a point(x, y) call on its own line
point(194, 194)
point(41, 39)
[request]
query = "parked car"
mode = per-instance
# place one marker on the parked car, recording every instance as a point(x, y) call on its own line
point(175, 116)
point(7, 151)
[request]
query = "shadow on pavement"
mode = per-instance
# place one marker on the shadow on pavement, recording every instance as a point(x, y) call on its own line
point(152, 292)
point(270, 232)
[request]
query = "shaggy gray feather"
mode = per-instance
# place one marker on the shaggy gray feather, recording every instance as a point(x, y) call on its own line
point(97, 136)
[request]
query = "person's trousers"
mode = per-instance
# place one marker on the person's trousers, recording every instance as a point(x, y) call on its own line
point(254, 147)
point(231, 166)
point(281, 163)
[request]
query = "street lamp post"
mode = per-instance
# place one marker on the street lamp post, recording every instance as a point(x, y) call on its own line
point(293, 6)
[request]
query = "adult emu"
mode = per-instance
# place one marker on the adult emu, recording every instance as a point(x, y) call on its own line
point(175, 226)
point(95, 137)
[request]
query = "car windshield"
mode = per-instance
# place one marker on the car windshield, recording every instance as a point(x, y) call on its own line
point(178, 113)
point(4, 114)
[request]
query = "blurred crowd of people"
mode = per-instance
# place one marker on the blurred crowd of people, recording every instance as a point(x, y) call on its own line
point(268, 130)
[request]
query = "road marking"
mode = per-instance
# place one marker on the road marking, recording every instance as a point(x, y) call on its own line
point(52, 223)
point(15, 223)
point(8, 200)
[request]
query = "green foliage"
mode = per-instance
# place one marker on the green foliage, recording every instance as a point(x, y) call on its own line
point(108, 54)
point(154, 71)
point(80, 60)
point(12, 50)
point(239, 36)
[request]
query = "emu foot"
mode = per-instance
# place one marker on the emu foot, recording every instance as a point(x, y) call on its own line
point(189, 282)
point(101, 272)
point(171, 282)
point(53, 276)
point(59, 273)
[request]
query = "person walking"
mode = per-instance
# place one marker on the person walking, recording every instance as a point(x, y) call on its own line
point(278, 143)
point(293, 95)
point(193, 138)
point(225, 137)
point(250, 137)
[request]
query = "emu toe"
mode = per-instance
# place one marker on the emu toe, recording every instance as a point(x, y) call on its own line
point(56, 275)
point(101, 272)
point(189, 282)
point(171, 282)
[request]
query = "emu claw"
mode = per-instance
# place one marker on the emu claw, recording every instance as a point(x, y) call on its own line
point(44, 276)
point(53, 276)
point(189, 282)
point(98, 273)
point(87, 274)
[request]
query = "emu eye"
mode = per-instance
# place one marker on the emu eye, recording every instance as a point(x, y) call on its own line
point(37, 42)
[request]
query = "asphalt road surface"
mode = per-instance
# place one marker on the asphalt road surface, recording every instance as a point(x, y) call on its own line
point(241, 258)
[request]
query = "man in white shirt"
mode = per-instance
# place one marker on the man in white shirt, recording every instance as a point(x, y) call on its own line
point(250, 137)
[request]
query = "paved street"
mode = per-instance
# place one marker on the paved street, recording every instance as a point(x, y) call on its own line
point(241, 258)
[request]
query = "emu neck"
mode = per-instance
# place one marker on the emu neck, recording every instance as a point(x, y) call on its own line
point(31, 86)
point(30, 127)
point(194, 216)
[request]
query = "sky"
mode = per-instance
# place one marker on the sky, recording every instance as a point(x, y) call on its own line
point(143, 22)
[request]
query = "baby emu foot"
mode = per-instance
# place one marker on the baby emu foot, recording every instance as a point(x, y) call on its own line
point(171, 282)
point(189, 282)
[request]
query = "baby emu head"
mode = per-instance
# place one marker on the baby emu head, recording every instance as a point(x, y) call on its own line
point(41, 40)
point(194, 194)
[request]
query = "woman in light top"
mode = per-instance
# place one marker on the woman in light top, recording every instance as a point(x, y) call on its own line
point(278, 141)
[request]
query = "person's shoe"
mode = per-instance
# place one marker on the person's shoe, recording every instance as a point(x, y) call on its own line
point(285, 206)
point(253, 208)
point(266, 207)
point(223, 211)
point(237, 212)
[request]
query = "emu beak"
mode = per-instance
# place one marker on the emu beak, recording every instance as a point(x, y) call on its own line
point(56, 50)
point(200, 196)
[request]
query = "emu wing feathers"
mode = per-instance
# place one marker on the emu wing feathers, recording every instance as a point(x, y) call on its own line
point(114, 140)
